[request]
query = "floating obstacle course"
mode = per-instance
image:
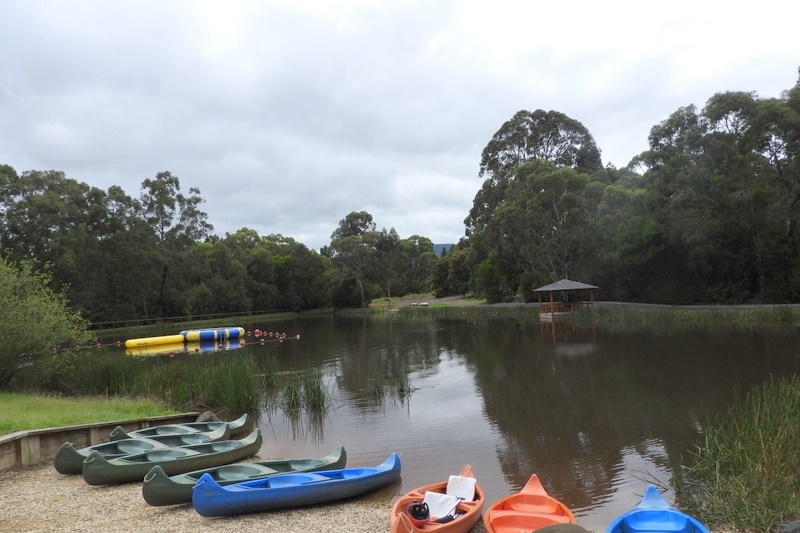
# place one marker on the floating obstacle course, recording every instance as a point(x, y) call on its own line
point(189, 335)
point(187, 347)
point(212, 334)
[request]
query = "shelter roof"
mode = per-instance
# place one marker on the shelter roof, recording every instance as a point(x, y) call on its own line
point(565, 285)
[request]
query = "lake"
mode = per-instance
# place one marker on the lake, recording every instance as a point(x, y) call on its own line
point(598, 416)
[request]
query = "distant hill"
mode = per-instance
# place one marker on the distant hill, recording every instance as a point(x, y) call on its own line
point(439, 247)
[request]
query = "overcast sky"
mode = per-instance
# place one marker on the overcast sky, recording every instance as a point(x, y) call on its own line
point(288, 115)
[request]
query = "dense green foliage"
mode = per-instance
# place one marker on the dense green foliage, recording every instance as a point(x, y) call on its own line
point(35, 320)
point(710, 213)
point(744, 471)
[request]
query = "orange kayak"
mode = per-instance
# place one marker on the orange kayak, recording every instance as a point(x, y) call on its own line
point(460, 518)
point(529, 509)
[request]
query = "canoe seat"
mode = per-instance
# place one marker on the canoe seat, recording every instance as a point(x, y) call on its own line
point(168, 430)
point(440, 504)
point(195, 438)
point(532, 504)
point(650, 520)
point(170, 453)
point(461, 487)
point(224, 446)
point(521, 521)
point(130, 447)
point(242, 471)
point(293, 480)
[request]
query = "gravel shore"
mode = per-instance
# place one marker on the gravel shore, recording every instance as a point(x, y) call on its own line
point(40, 499)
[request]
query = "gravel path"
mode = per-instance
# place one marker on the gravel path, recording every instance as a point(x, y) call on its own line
point(40, 499)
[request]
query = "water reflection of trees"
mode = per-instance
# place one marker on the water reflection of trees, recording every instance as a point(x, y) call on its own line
point(383, 369)
point(573, 420)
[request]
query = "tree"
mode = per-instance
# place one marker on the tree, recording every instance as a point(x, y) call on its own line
point(178, 223)
point(217, 280)
point(539, 135)
point(451, 273)
point(539, 226)
point(301, 274)
point(355, 224)
point(259, 262)
point(35, 321)
point(354, 250)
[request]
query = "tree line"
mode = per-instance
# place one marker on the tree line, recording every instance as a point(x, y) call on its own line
point(708, 214)
point(117, 257)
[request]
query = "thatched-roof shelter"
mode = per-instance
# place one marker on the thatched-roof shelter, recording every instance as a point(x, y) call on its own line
point(558, 299)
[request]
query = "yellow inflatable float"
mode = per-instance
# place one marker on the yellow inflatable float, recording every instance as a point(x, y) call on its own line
point(189, 335)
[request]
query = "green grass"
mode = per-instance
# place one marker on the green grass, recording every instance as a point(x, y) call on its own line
point(745, 471)
point(633, 319)
point(20, 412)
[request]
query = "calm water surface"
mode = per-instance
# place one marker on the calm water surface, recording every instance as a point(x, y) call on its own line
point(597, 416)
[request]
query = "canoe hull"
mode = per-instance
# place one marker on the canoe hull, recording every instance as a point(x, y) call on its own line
point(400, 522)
point(69, 460)
point(529, 509)
point(100, 471)
point(236, 429)
point(291, 490)
point(653, 514)
point(160, 489)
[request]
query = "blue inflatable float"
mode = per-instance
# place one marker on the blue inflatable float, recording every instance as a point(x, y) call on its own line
point(212, 334)
point(189, 335)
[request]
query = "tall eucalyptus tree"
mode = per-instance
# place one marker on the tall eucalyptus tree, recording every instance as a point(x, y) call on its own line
point(547, 137)
point(178, 223)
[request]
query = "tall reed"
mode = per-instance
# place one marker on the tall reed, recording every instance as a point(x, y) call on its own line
point(230, 382)
point(306, 391)
point(666, 319)
point(745, 472)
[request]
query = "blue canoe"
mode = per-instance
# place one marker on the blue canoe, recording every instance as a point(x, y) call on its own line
point(291, 490)
point(655, 515)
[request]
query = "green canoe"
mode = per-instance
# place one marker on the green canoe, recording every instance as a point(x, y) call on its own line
point(160, 489)
point(98, 470)
point(69, 460)
point(238, 428)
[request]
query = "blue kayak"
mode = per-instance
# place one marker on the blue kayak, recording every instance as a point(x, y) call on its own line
point(655, 515)
point(291, 490)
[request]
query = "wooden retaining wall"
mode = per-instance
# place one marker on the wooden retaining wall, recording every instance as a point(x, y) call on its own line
point(31, 448)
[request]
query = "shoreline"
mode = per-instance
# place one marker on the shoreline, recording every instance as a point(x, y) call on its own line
point(40, 499)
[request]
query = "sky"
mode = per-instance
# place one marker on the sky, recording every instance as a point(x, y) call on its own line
point(289, 114)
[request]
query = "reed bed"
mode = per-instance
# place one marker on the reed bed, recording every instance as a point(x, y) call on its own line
point(669, 320)
point(230, 383)
point(745, 472)
point(306, 391)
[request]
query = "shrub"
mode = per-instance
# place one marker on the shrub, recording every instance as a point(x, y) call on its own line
point(35, 320)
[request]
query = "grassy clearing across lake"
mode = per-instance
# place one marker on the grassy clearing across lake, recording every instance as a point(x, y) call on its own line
point(21, 412)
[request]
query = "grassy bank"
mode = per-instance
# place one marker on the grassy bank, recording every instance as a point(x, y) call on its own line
point(23, 411)
point(231, 382)
point(744, 473)
point(741, 476)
